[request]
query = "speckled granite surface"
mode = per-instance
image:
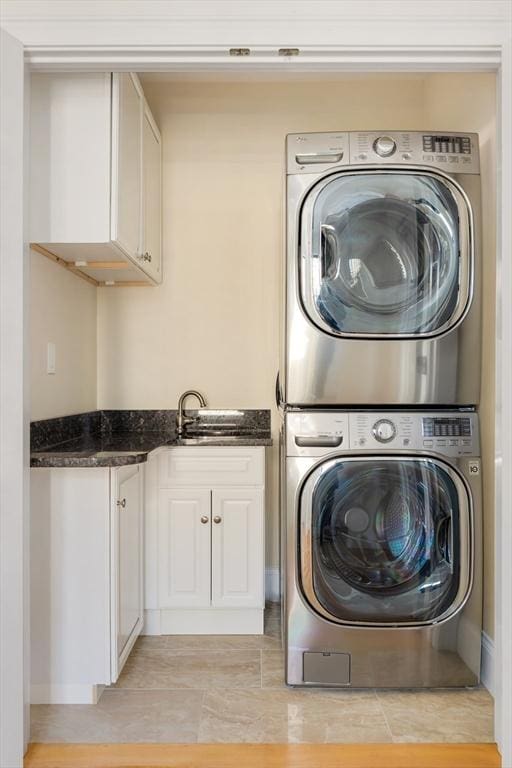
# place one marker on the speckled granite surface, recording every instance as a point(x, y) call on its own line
point(117, 438)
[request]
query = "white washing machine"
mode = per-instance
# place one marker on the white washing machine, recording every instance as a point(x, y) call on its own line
point(382, 548)
point(382, 269)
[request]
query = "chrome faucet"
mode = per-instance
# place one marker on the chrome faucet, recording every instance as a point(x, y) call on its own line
point(182, 420)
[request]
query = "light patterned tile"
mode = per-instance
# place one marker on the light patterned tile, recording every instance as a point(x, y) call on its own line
point(272, 610)
point(121, 716)
point(222, 642)
point(188, 669)
point(273, 629)
point(272, 669)
point(151, 643)
point(458, 715)
point(294, 716)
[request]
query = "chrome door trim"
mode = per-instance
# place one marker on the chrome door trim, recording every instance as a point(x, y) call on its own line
point(308, 276)
point(305, 550)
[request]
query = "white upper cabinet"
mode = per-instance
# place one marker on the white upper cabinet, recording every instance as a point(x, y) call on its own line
point(126, 164)
point(96, 176)
point(151, 245)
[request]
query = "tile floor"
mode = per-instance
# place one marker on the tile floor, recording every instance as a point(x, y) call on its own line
point(230, 689)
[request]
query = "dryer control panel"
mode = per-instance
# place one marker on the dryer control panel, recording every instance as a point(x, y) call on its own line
point(452, 153)
point(315, 433)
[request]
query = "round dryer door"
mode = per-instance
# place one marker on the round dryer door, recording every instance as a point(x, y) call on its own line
point(385, 540)
point(386, 253)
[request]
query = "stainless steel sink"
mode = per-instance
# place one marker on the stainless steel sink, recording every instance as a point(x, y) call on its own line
point(204, 435)
point(216, 432)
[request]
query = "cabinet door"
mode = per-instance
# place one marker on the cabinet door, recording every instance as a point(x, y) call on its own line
point(126, 164)
point(126, 599)
point(184, 527)
point(151, 197)
point(237, 548)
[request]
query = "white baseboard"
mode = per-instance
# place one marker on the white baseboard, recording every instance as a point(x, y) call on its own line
point(211, 621)
point(488, 663)
point(49, 693)
point(272, 585)
point(152, 623)
point(206, 621)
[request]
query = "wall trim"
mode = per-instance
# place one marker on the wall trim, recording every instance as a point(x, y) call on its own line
point(47, 693)
point(488, 668)
point(130, 24)
point(152, 623)
point(333, 58)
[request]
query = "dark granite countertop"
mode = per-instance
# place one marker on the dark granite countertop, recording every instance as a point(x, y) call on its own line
point(118, 438)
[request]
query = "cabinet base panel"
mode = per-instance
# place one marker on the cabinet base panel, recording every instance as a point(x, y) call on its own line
point(51, 693)
point(218, 621)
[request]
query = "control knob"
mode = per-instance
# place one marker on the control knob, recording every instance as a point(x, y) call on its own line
point(384, 430)
point(384, 146)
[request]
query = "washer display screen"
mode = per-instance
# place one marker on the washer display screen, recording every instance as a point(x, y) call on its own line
point(446, 427)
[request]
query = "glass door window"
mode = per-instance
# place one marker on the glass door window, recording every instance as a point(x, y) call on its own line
point(380, 254)
point(385, 540)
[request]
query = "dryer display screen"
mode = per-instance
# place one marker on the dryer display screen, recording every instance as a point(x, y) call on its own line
point(458, 145)
point(450, 427)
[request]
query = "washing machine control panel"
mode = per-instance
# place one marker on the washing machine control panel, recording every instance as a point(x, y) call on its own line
point(317, 433)
point(453, 434)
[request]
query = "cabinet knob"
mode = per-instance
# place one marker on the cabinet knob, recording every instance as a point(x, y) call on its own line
point(147, 256)
point(121, 503)
point(217, 519)
point(204, 519)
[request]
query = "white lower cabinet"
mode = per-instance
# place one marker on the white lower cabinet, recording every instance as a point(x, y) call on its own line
point(86, 553)
point(126, 599)
point(237, 547)
point(206, 519)
point(184, 548)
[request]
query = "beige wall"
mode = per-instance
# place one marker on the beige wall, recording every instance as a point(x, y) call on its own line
point(469, 101)
point(62, 310)
point(214, 322)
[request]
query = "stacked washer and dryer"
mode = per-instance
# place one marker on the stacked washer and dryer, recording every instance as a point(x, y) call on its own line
point(379, 383)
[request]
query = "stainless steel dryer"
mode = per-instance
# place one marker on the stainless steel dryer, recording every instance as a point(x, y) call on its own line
point(382, 269)
point(382, 548)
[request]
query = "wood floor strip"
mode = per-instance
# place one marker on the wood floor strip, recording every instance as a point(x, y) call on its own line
point(262, 756)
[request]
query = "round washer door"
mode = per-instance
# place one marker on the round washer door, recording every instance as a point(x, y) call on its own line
point(386, 253)
point(385, 540)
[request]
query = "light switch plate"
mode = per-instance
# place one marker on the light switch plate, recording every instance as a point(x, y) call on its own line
point(50, 357)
